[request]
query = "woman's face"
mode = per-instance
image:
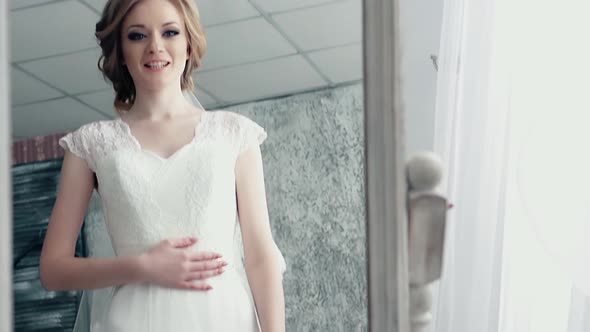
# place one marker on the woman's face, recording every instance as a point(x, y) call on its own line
point(154, 44)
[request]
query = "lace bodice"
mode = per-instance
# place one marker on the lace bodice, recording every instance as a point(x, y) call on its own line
point(147, 198)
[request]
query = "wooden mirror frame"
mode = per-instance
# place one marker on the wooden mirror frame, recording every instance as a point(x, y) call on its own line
point(387, 264)
point(385, 184)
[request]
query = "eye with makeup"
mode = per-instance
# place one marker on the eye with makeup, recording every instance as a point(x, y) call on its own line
point(135, 36)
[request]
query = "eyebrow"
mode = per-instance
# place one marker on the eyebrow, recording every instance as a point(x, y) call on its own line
point(143, 26)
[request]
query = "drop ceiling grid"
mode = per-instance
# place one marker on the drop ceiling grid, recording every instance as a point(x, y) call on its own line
point(242, 42)
point(49, 65)
point(277, 77)
point(54, 116)
point(22, 82)
point(43, 31)
point(276, 6)
point(325, 26)
point(349, 66)
point(276, 48)
point(74, 73)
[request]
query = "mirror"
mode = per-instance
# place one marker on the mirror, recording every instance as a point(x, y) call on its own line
point(295, 68)
point(314, 159)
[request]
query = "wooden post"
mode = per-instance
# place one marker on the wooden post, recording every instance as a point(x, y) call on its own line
point(387, 261)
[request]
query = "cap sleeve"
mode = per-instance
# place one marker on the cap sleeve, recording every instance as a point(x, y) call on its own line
point(251, 134)
point(77, 142)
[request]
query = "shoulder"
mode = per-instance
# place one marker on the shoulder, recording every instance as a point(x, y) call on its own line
point(239, 129)
point(86, 140)
point(235, 123)
point(231, 118)
point(91, 128)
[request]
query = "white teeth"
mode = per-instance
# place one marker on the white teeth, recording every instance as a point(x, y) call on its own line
point(157, 65)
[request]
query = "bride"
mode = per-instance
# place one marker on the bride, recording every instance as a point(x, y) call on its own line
point(176, 182)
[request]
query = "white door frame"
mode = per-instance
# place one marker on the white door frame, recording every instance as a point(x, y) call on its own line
point(387, 274)
point(5, 175)
point(387, 262)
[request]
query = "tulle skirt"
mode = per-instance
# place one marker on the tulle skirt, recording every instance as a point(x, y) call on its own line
point(229, 306)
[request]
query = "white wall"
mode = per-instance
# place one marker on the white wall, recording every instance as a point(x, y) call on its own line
point(420, 34)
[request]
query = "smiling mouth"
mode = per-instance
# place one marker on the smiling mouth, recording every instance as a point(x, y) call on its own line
point(156, 65)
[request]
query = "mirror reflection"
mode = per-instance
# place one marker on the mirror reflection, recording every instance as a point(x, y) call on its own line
point(175, 172)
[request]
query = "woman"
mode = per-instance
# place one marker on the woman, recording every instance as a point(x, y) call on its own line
point(172, 178)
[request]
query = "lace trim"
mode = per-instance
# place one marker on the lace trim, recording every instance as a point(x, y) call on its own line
point(96, 140)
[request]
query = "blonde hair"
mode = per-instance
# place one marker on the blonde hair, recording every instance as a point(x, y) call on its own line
point(110, 63)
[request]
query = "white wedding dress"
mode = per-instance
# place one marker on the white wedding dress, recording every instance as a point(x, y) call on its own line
point(147, 198)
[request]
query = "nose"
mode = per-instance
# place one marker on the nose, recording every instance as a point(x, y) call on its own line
point(155, 45)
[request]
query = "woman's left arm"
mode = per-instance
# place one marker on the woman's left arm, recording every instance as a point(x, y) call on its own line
point(261, 260)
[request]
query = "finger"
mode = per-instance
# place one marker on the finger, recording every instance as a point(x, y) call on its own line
point(204, 256)
point(205, 274)
point(183, 242)
point(207, 265)
point(195, 286)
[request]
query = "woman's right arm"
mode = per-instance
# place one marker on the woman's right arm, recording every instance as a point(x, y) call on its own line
point(59, 269)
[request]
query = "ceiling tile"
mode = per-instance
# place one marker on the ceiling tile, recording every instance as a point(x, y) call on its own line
point(270, 6)
point(26, 89)
point(67, 26)
point(60, 115)
point(336, 24)
point(73, 73)
point(98, 5)
point(101, 100)
point(205, 99)
point(221, 11)
point(210, 11)
point(340, 64)
point(242, 42)
point(17, 4)
point(261, 80)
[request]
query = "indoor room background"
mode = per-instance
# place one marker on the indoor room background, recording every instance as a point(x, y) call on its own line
point(295, 67)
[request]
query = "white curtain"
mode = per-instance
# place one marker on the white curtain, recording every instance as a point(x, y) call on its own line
point(511, 123)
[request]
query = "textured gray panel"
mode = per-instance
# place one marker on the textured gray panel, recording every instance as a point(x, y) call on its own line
point(314, 173)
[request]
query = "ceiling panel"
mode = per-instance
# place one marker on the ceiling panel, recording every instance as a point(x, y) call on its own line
point(247, 58)
point(65, 28)
point(261, 80)
point(221, 11)
point(340, 64)
point(72, 73)
point(211, 12)
point(335, 24)
point(100, 100)
point(204, 98)
point(270, 6)
point(26, 89)
point(17, 4)
point(98, 5)
point(103, 100)
point(242, 42)
point(60, 115)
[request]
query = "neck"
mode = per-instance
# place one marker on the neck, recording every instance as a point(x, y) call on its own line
point(162, 104)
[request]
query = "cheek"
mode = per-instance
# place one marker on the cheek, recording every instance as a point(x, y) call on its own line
point(130, 51)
